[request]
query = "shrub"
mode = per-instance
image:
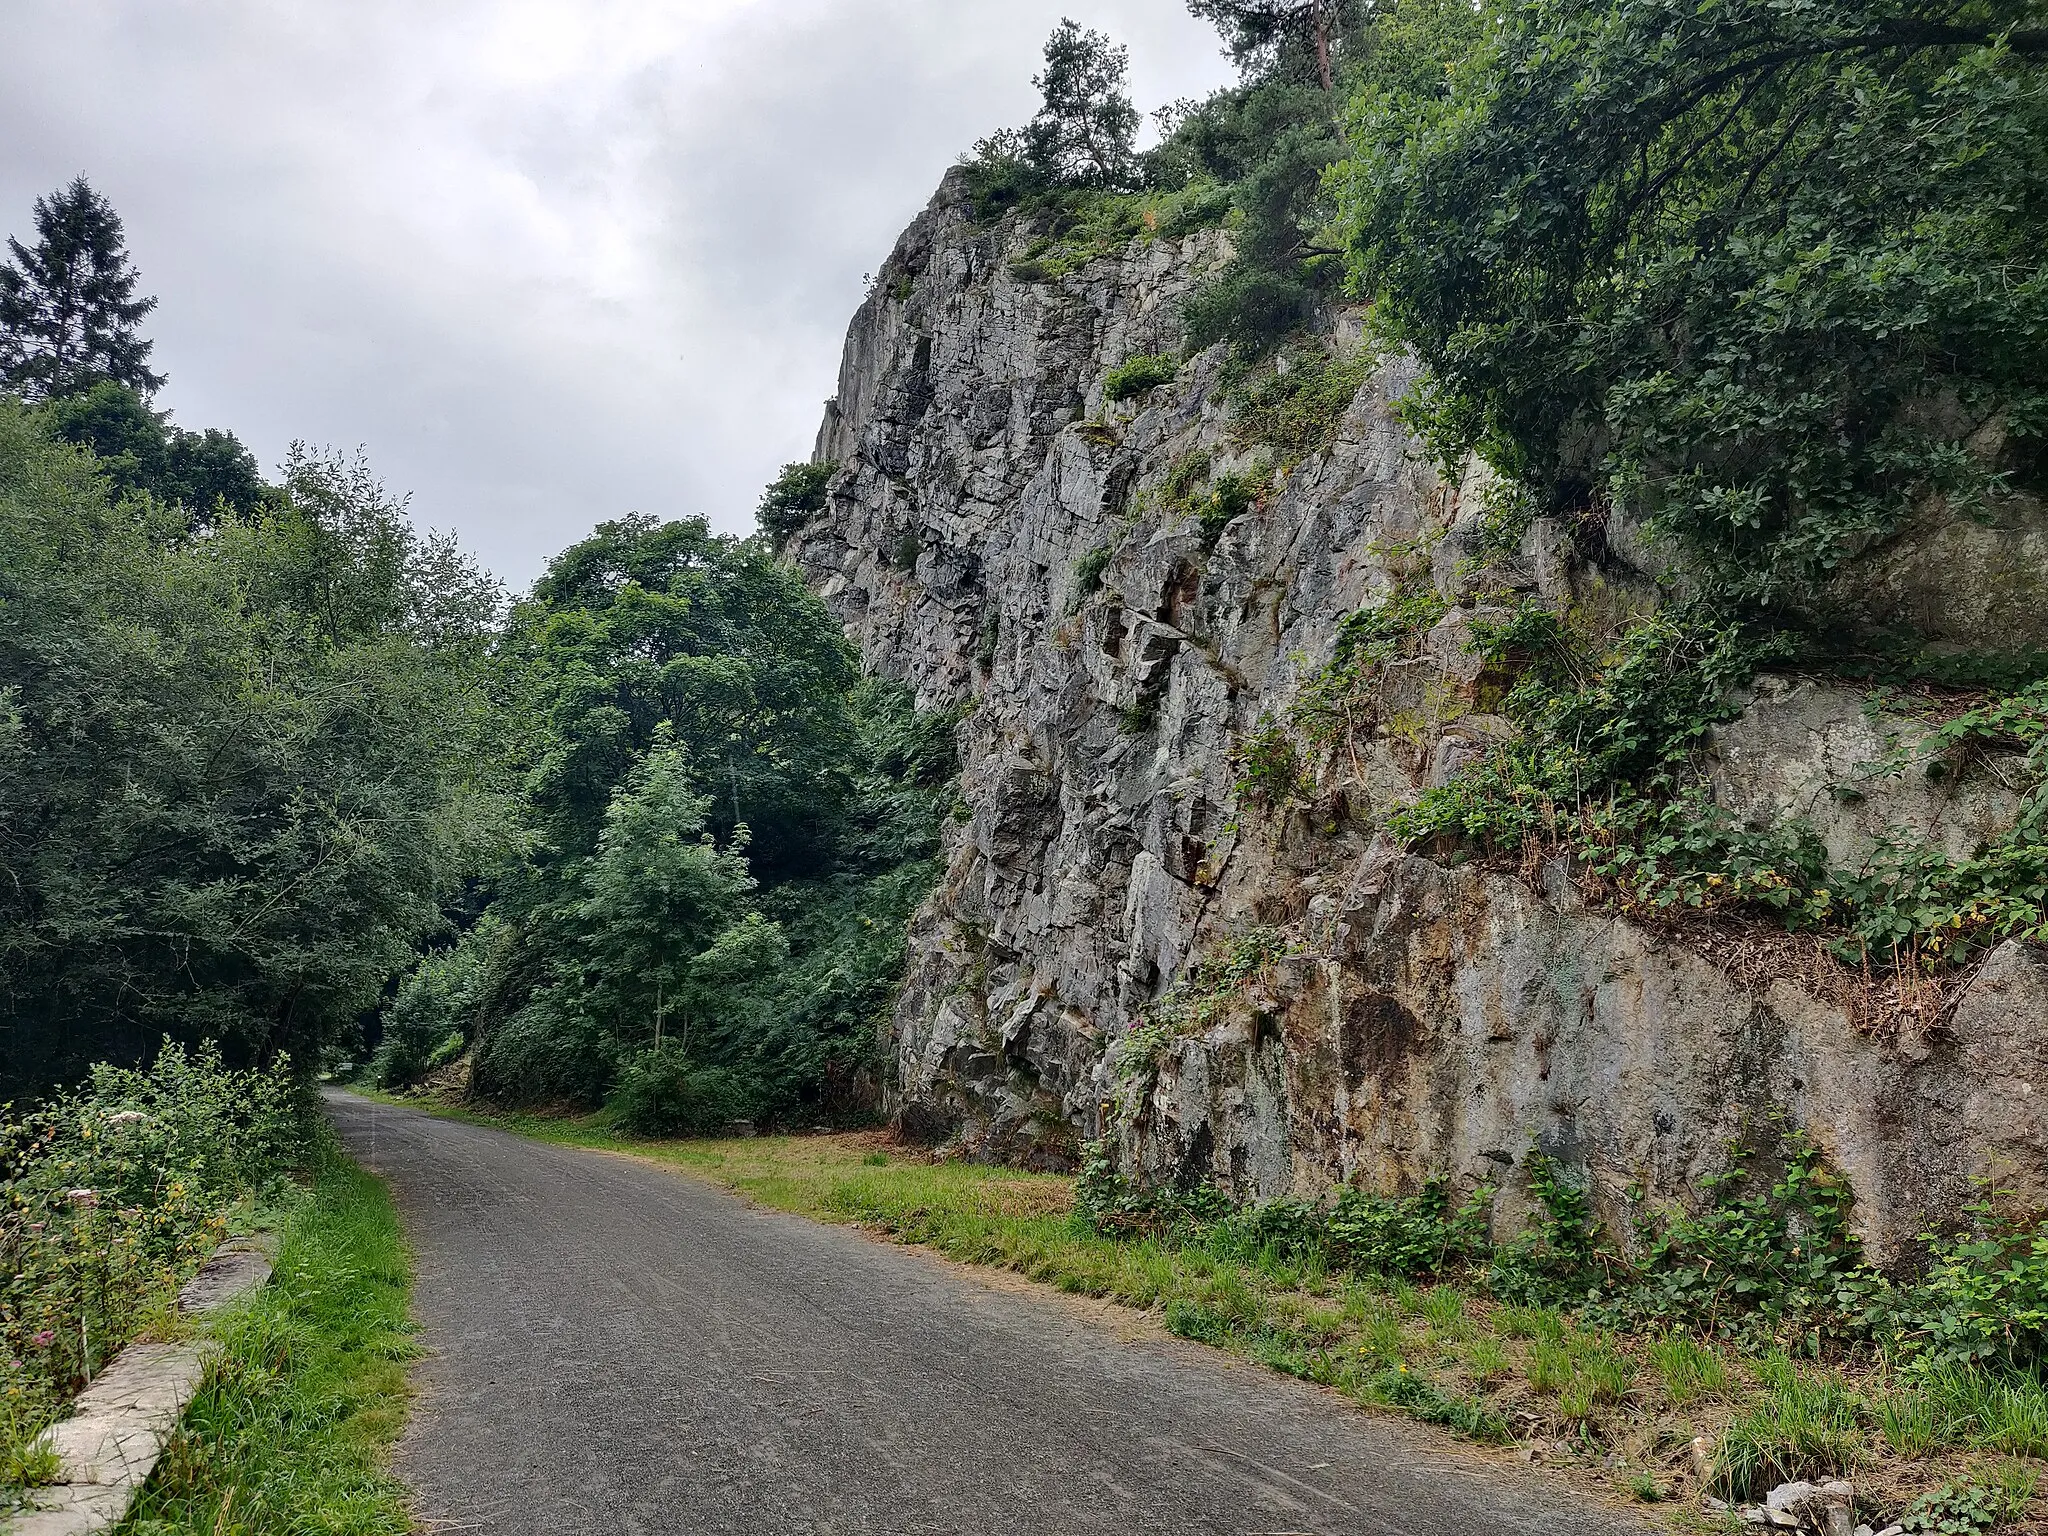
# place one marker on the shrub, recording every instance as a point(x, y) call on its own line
point(1137, 375)
point(1983, 1299)
point(1112, 1206)
point(1418, 1234)
point(662, 1092)
point(113, 1192)
point(1296, 409)
point(1232, 497)
point(1088, 575)
point(1251, 308)
point(794, 497)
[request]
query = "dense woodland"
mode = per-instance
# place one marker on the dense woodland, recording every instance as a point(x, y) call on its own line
point(285, 775)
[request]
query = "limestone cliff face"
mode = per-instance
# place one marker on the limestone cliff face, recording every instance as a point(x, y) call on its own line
point(999, 536)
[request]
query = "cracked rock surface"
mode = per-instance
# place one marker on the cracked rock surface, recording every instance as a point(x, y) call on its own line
point(1001, 537)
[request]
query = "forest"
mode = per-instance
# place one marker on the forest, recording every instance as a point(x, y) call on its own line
point(286, 777)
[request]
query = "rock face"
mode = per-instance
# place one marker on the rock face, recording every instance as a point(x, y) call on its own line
point(1002, 537)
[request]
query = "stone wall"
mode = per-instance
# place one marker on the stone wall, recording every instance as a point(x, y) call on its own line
point(1426, 1019)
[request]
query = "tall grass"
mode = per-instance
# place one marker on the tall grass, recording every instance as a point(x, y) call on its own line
point(290, 1430)
point(1807, 1425)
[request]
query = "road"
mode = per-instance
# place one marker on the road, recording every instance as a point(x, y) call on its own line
point(617, 1349)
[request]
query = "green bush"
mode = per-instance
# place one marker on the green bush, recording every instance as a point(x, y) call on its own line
point(1088, 575)
point(1230, 498)
point(1111, 1205)
point(1137, 375)
point(793, 498)
point(1418, 1234)
point(1296, 407)
point(662, 1092)
point(113, 1192)
point(1251, 308)
point(1983, 1300)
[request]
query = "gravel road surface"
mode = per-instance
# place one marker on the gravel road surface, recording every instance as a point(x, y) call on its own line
point(616, 1349)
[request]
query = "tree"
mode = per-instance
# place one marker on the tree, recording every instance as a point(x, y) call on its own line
point(1268, 35)
point(793, 498)
point(236, 788)
point(68, 311)
point(1773, 276)
point(1086, 132)
point(141, 451)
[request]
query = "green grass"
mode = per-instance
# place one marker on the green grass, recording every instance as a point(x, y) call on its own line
point(289, 1434)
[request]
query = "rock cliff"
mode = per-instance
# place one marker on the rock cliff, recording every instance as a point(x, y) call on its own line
point(1003, 537)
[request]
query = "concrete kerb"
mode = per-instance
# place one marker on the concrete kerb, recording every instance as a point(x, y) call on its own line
point(121, 1423)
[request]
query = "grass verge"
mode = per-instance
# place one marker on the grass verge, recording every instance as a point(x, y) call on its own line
point(290, 1432)
point(1616, 1411)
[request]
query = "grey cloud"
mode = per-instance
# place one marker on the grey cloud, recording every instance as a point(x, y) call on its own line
point(549, 260)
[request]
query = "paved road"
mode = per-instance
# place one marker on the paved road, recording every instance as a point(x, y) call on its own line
point(620, 1350)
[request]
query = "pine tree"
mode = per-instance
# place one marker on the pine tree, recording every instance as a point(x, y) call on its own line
point(1262, 33)
point(1086, 132)
point(68, 311)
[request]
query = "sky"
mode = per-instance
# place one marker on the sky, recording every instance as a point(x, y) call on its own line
point(547, 261)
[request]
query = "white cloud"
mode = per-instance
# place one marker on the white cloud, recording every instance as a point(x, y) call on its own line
point(550, 260)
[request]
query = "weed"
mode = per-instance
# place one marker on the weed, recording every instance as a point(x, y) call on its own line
point(1549, 1368)
point(1607, 1372)
point(1137, 375)
point(1418, 1234)
point(1088, 575)
point(1911, 1422)
point(1232, 496)
point(1690, 1369)
point(1297, 406)
point(1384, 1337)
point(1807, 1426)
point(289, 1430)
point(26, 1464)
point(114, 1192)
point(1958, 1509)
point(1530, 1323)
point(1646, 1488)
point(1486, 1359)
point(1444, 1310)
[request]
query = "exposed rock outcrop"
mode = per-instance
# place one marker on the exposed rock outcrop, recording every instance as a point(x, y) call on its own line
point(1000, 533)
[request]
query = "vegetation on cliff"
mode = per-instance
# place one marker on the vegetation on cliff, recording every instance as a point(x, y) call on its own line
point(1757, 288)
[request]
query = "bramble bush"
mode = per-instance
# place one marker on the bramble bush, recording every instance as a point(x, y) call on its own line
point(113, 1192)
point(1770, 1259)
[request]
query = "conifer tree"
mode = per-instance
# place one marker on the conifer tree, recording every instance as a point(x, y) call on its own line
point(1086, 132)
point(1261, 32)
point(68, 310)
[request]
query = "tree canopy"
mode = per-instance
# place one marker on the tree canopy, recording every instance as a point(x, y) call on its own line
point(1085, 132)
point(239, 775)
point(69, 315)
point(726, 832)
point(1772, 274)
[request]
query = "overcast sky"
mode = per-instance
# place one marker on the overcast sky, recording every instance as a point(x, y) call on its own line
point(549, 261)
